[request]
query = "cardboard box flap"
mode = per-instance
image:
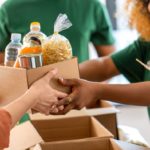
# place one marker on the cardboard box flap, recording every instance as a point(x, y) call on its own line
point(72, 113)
point(13, 84)
point(72, 72)
point(113, 145)
point(24, 136)
point(101, 111)
point(98, 130)
point(104, 108)
point(102, 144)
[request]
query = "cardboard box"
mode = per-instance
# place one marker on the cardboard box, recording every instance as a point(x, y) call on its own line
point(72, 113)
point(99, 144)
point(83, 127)
point(67, 130)
point(76, 133)
point(14, 81)
point(106, 114)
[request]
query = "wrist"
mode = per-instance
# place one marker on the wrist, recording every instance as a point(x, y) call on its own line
point(32, 92)
point(99, 90)
point(31, 96)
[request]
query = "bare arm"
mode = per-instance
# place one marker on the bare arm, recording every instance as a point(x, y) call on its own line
point(86, 94)
point(40, 91)
point(133, 94)
point(17, 108)
point(98, 70)
point(104, 50)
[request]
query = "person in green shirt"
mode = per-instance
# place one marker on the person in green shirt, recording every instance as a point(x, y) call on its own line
point(90, 21)
point(86, 93)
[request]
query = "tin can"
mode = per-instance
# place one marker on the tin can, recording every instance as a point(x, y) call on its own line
point(30, 61)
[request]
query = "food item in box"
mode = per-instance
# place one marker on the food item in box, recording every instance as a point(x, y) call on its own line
point(12, 49)
point(31, 50)
point(27, 51)
point(57, 48)
point(30, 61)
point(30, 55)
point(35, 36)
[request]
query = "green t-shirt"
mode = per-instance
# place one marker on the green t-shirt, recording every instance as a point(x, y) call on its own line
point(125, 61)
point(89, 18)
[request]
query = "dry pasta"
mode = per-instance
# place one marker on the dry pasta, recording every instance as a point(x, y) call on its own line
point(56, 49)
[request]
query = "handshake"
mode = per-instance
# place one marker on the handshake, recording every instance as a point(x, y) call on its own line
point(50, 101)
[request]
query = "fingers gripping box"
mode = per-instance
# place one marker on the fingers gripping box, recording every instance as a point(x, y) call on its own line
point(14, 81)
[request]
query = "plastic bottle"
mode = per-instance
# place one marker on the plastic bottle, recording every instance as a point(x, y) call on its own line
point(35, 37)
point(12, 49)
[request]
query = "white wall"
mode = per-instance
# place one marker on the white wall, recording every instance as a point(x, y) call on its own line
point(103, 1)
point(2, 1)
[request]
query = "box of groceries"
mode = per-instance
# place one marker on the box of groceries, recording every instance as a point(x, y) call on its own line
point(27, 62)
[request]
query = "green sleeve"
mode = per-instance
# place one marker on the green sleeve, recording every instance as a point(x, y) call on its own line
point(103, 29)
point(4, 31)
point(125, 61)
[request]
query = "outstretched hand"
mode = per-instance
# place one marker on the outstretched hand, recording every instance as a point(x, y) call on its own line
point(84, 94)
point(47, 97)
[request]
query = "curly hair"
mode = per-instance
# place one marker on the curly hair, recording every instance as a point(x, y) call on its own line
point(139, 17)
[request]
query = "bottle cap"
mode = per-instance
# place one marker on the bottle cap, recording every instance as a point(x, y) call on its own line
point(35, 26)
point(16, 37)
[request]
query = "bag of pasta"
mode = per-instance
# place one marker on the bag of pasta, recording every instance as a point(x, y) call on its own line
point(57, 48)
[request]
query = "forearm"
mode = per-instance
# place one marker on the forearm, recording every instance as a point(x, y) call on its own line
point(105, 50)
point(98, 70)
point(92, 70)
point(21, 105)
point(133, 94)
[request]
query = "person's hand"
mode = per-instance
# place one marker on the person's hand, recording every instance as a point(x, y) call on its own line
point(84, 94)
point(46, 97)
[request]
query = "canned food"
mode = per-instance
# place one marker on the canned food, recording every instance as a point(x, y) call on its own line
point(30, 61)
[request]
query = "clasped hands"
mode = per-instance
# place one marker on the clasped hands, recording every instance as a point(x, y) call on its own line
point(50, 101)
